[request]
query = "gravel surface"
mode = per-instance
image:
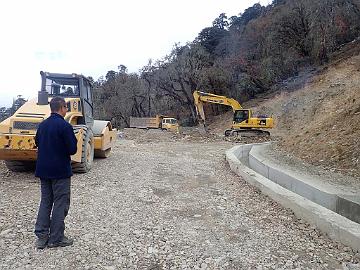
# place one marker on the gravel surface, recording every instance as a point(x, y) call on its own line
point(165, 204)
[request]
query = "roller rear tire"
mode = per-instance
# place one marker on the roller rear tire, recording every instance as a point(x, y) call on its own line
point(87, 151)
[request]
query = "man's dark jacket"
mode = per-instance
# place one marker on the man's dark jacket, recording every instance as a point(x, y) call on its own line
point(56, 141)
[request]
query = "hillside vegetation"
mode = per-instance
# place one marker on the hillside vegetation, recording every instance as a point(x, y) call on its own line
point(241, 57)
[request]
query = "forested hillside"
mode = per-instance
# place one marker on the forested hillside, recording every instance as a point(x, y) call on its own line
point(239, 56)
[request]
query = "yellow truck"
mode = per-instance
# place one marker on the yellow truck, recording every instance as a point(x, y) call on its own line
point(17, 133)
point(159, 122)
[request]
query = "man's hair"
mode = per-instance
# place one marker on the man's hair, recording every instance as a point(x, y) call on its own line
point(56, 103)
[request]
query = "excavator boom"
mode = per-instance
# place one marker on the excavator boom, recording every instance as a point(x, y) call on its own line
point(201, 97)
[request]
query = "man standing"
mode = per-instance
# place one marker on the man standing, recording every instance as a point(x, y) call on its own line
point(56, 142)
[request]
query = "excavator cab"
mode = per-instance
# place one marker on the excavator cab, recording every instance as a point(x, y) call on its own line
point(241, 116)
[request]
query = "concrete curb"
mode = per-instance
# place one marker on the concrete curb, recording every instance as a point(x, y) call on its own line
point(334, 225)
point(338, 198)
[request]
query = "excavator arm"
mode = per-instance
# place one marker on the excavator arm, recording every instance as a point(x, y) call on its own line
point(201, 97)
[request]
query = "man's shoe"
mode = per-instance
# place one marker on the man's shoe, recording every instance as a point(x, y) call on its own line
point(63, 243)
point(41, 242)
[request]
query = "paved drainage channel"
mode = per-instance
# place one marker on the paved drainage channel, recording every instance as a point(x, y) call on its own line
point(344, 226)
point(345, 205)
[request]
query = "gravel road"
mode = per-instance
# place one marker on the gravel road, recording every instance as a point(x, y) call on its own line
point(165, 204)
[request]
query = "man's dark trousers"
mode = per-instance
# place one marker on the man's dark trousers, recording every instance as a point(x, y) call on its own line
point(55, 195)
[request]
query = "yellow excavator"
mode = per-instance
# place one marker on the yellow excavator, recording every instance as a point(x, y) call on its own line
point(243, 121)
point(17, 133)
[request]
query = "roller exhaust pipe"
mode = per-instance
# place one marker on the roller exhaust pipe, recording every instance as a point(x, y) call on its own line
point(43, 95)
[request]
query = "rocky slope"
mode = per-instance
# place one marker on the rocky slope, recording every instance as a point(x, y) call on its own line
point(317, 114)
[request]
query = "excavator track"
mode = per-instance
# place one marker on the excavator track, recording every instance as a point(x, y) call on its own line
point(246, 133)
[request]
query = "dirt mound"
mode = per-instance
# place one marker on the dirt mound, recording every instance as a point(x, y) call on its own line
point(190, 134)
point(220, 123)
point(149, 135)
point(157, 135)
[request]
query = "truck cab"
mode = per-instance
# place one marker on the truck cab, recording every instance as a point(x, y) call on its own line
point(170, 123)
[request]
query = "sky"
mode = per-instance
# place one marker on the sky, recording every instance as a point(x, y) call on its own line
point(92, 37)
